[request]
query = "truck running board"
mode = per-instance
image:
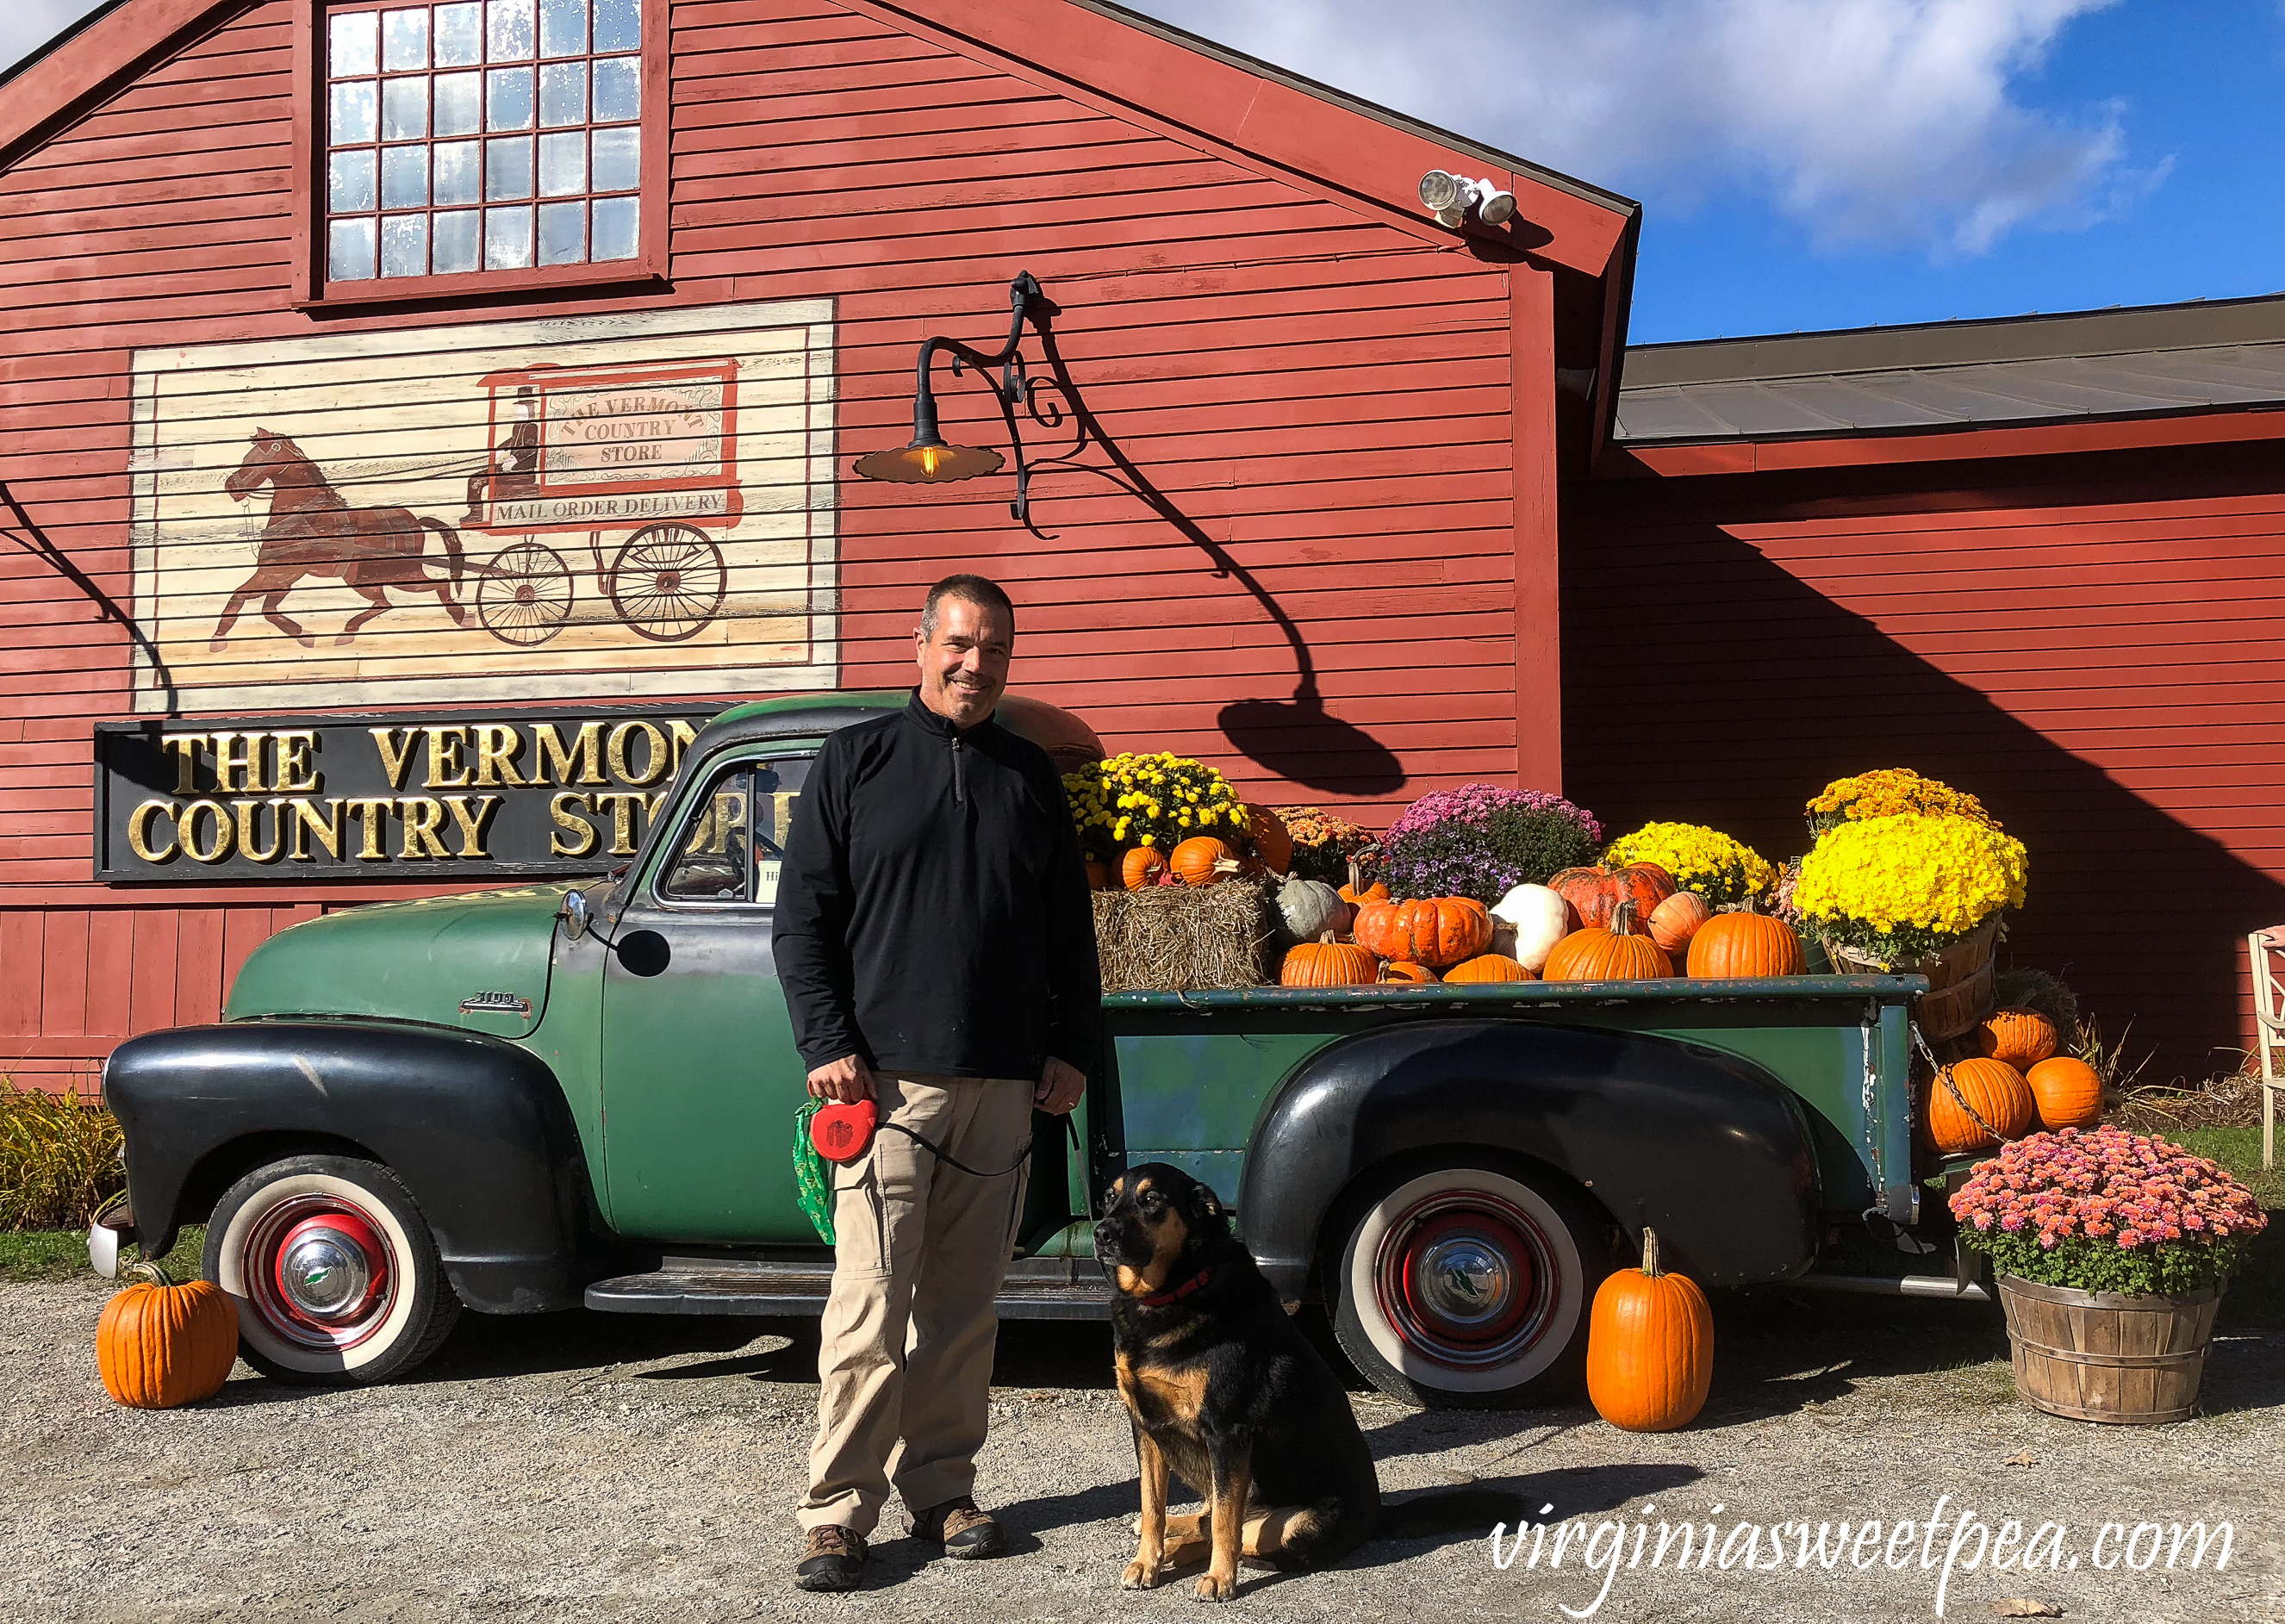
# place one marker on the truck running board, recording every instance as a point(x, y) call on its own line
point(1036, 1289)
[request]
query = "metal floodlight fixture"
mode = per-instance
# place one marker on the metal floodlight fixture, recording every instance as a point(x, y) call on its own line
point(928, 460)
point(1451, 197)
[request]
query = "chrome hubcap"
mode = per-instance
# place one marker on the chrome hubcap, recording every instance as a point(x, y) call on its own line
point(319, 1272)
point(1468, 1279)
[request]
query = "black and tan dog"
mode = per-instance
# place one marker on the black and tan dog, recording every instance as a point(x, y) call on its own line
point(1226, 1394)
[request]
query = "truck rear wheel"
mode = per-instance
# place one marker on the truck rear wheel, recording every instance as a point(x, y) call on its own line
point(1465, 1287)
point(335, 1275)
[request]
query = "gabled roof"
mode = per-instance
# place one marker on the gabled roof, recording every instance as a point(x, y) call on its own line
point(2076, 366)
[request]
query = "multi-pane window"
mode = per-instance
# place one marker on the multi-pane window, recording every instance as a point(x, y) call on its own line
point(481, 134)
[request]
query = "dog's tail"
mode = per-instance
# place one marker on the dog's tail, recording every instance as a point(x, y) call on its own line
point(1465, 1510)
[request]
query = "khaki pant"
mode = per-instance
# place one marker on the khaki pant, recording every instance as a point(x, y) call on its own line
point(920, 1251)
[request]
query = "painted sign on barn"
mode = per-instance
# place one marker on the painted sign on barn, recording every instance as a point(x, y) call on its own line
point(634, 503)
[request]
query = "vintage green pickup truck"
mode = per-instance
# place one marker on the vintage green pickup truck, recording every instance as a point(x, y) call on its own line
point(521, 1100)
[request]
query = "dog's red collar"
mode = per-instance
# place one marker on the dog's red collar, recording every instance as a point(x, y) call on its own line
point(1196, 1283)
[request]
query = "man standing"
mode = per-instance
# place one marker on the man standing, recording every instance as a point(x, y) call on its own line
point(937, 948)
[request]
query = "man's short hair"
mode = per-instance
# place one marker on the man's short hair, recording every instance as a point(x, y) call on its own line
point(971, 588)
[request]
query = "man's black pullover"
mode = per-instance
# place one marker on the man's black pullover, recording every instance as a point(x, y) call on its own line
point(933, 913)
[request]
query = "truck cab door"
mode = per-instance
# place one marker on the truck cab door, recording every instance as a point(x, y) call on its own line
point(700, 1077)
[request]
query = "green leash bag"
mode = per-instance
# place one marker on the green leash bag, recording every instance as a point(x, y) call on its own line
point(811, 1187)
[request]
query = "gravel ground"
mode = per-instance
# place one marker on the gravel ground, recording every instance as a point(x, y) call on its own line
point(589, 1467)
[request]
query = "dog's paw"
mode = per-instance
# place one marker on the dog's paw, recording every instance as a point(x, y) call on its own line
point(1140, 1576)
point(1213, 1589)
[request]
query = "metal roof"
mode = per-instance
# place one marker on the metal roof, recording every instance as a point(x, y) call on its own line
point(2094, 364)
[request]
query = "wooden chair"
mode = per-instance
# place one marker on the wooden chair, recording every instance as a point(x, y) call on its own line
point(2265, 953)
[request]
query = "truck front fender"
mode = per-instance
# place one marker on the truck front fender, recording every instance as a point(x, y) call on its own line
point(475, 1127)
point(1710, 1151)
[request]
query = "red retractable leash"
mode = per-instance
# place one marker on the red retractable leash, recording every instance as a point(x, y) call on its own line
point(843, 1130)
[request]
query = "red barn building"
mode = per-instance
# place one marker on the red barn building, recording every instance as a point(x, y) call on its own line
point(418, 411)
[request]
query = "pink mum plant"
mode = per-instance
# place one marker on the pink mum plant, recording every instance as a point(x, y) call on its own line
point(2107, 1211)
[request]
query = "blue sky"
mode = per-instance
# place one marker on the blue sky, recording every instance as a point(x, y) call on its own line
point(1822, 164)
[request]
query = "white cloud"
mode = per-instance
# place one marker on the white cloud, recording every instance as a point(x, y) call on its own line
point(1874, 122)
point(27, 25)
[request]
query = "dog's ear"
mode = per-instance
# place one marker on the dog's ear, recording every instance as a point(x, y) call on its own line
point(1206, 1210)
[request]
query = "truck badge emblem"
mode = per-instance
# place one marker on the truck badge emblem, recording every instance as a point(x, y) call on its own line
point(495, 1003)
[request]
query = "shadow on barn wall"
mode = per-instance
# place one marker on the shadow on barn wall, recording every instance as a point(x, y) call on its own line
point(1703, 682)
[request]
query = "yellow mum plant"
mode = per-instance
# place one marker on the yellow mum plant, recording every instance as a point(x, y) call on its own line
point(1724, 871)
point(1149, 800)
point(1904, 887)
point(1887, 794)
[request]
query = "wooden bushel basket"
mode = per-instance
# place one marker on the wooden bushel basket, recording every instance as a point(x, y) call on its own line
point(2102, 1356)
point(1959, 980)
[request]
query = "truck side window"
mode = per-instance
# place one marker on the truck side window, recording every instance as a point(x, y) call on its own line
point(731, 848)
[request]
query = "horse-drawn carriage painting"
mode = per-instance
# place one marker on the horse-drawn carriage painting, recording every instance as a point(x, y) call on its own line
point(620, 505)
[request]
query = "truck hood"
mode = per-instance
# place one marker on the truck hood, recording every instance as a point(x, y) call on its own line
point(478, 961)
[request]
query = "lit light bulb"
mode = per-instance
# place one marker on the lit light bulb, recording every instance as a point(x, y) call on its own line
point(930, 457)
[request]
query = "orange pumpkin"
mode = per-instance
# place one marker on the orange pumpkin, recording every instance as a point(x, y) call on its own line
point(1991, 1089)
point(1437, 931)
point(1488, 966)
point(2066, 1092)
point(1098, 876)
point(1272, 843)
point(1142, 867)
point(1674, 922)
point(1400, 970)
point(2020, 1037)
point(1357, 893)
point(1740, 945)
point(1650, 1347)
point(1328, 964)
point(1595, 893)
point(1203, 860)
point(1607, 953)
point(160, 1345)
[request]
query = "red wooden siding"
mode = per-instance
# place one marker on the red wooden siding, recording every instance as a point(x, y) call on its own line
point(2090, 645)
point(1323, 390)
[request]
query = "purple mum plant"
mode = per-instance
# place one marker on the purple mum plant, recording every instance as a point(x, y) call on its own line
point(1480, 840)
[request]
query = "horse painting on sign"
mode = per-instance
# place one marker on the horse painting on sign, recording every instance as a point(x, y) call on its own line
point(313, 531)
point(631, 504)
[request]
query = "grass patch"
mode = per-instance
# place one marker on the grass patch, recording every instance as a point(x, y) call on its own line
point(2257, 1293)
point(58, 1158)
point(61, 1254)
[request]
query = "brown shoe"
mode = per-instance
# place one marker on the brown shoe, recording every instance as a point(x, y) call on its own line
point(832, 1558)
point(962, 1529)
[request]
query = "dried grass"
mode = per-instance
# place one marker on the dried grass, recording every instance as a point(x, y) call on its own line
point(58, 1158)
point(2233, 1102)
point(1182, 938)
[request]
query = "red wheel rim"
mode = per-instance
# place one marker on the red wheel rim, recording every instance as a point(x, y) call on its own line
point(320, 1272)
point(1467, 1280)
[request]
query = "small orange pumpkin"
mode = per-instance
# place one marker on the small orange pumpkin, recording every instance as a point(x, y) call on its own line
point(1356, 893)
point(1403, 969)
point(1650, 1347)
point(160, 1345)
point(1488, 966)
point(1674, 922)
point(1271, 841)
point(1436, 931)
point(1991, 1089)
point(2020, 1037)
point(1140, 868)
point(2066, 1092)
point(1744, 945)
point(1203, 860)
point(1328, 963)
point(1611, 952)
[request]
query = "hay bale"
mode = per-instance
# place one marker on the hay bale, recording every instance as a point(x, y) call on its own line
point(1185, 939)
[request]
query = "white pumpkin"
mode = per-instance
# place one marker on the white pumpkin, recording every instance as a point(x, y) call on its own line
point(1310, 908)
point(1539, 919)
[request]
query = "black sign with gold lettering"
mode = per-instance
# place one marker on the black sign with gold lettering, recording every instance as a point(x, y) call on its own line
point(382, 796)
